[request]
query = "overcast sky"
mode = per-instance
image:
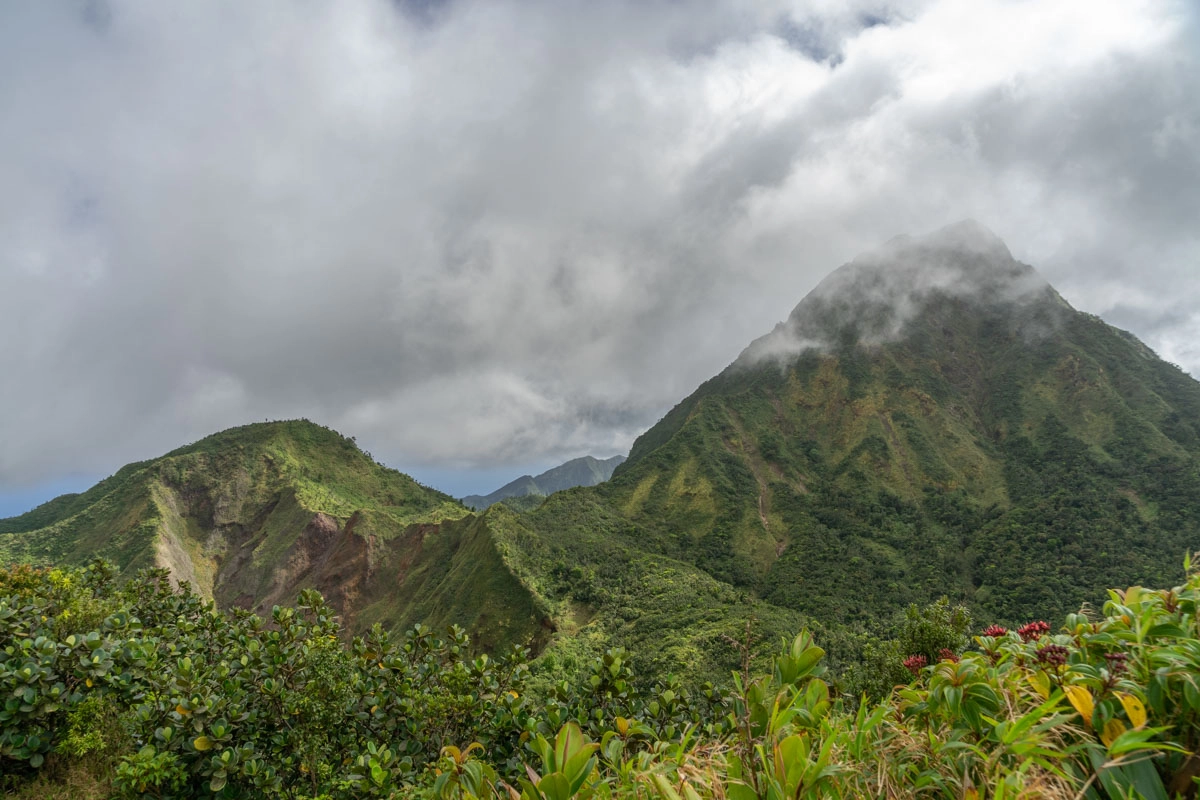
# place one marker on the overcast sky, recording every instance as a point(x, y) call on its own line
point(487, 236)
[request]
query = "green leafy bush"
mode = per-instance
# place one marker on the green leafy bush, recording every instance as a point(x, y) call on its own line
point(177, 699)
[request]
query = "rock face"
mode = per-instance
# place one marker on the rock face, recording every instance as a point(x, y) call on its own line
point(251, 516)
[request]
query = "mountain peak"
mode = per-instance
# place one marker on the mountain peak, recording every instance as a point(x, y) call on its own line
point(968, 235)
point(934, 373)
point(874, 297)
point(944, 256)
point(584, 471)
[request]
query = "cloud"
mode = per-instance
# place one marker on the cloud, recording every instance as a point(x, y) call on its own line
point(875, 296)
point(475, 233)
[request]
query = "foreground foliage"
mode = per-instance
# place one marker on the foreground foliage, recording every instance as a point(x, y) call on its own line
point(151, 692)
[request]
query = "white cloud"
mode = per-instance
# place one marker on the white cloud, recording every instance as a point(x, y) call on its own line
point(500, 230)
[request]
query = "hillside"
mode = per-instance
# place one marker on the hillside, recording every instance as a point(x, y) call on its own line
point(933, 418)
point(586, 471)
point(251, 515)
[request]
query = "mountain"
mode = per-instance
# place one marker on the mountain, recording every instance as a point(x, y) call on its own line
point(932, 419)
point(586, 471)
point(251, 515)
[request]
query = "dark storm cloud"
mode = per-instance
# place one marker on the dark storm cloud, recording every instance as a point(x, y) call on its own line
point(477, 233)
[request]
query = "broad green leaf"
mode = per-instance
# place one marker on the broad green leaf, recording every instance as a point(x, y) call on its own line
point(739, 791)
point(1146, 780)
point(568, 742)
point(555, 786)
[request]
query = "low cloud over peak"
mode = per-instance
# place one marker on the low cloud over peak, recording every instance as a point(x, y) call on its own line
point(880, 291)
point(479, 233)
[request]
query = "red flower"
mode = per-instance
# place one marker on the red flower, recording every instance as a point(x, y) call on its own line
point(1033, 631)
point(1052, 655)
point(946, 654)
point(995, 630)
point(914, 663)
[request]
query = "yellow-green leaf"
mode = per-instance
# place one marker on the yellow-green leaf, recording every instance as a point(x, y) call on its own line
point(1112, 729)
point(1081, 699)
point(202, 743)
point(1040, 682)
point(665, 790)
point(1133, 709)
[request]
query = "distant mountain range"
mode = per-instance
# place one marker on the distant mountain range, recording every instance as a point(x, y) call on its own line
point(586, 471)
point(933, 419)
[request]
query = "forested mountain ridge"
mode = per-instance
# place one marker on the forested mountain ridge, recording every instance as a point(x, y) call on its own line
point(933, 418)
point(252, 515)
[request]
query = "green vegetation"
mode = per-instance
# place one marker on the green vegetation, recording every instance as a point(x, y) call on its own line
point(253, 515)
point(140, 690)
point(225, 482)
point(1019, 458)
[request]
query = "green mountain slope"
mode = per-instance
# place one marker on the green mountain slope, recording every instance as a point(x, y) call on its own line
point(584, 561)
point(932, 419)
point(251, 515)
point(586, 471)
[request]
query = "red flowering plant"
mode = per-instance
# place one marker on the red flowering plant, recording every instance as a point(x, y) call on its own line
point(1033, 631)
point(1052, 655)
